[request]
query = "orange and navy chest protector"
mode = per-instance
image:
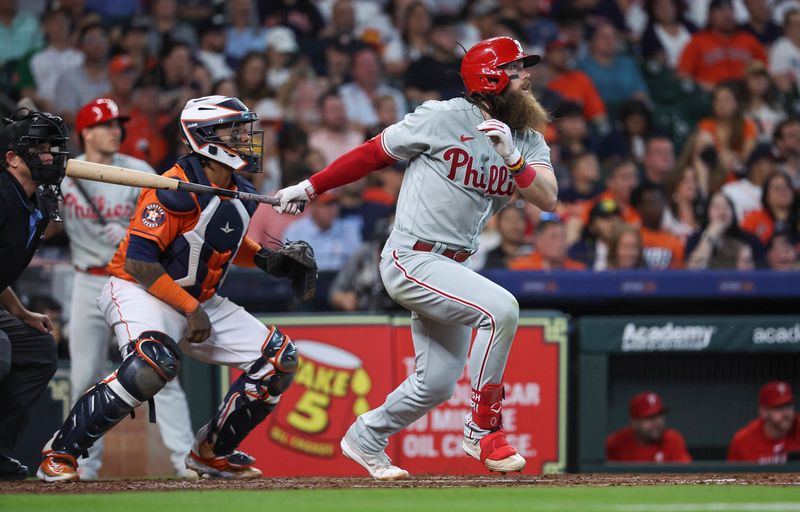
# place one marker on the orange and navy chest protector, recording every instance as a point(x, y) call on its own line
point(194, 237)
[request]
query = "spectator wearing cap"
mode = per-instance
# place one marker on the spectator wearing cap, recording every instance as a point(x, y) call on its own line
point(166, 27)
point(658, 160)
point(721, 52)
point(573, 84)
point(784, 56)
point(662, 250)
point(621, 180)
point(122, 75)
point(667, 32)
point(244, 34)
point(647, 438)
point(782, 253)
point(48, 63)
point(592, 248)
point(746, 192)
point(511, 224)
point(539, 28)
point(133, 43)
point(759, 22)
point(332, 238)
point(761, 102)
point(435, 76)
point(19, 32)
point(80, 84)
point(769, 438)
point(335, 136)
point(718, 244)
point(368, 83)
point(281, 50)
point(212, 49)
point(145, 132)
point(616, 76)
point(550, 249)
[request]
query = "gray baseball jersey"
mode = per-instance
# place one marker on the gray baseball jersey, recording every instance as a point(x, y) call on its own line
point(116, 202)
point(455, 180)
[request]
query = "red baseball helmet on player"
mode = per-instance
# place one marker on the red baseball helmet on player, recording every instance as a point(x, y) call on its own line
point(99, 111)
point(480, 68)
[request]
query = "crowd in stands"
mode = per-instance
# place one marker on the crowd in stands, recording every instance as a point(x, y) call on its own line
point(675, 131)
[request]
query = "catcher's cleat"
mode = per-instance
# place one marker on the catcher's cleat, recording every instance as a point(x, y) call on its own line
point(495, 452)
point(379, 465)
point(58, 467)
point(237, 465)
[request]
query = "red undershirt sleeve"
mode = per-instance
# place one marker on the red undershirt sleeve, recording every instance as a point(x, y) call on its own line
point(353, 165)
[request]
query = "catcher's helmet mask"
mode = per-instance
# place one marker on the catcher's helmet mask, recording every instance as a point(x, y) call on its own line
point(241, 149)
point(31, 134)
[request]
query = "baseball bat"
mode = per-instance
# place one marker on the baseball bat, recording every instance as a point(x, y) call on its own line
point(122, 176)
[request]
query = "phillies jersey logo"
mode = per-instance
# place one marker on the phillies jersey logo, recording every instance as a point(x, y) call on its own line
point(153, 215)
point(496, 182)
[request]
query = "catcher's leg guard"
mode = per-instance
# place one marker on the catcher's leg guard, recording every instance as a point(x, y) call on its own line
point(493, 448)
point(151, 362)
point(248, 402)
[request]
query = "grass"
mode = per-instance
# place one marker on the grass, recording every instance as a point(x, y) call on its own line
point(701, 498)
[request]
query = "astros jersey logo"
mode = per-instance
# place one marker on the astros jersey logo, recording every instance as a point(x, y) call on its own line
point(153, 215)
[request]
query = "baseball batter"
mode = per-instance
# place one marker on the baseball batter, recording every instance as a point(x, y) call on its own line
point(466, 156)
point(96, 217)
point(162, 294)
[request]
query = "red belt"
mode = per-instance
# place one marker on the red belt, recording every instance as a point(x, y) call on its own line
point(95, 271)
point(459, 256)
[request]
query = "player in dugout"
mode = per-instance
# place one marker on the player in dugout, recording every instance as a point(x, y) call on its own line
point(646, 438)
point(775, 434)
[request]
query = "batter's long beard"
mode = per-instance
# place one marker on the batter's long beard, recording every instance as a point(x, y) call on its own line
point(518, 109)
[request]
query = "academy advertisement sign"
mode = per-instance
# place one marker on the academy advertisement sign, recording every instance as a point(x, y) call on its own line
point(349, 364)
point(689, 334)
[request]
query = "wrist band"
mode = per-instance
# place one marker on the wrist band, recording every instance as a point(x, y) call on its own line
point(166, 289)
point(518, 167)
point(525, 176)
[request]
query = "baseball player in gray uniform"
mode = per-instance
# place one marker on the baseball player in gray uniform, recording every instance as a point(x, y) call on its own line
point(467, 156)
point(96, 217)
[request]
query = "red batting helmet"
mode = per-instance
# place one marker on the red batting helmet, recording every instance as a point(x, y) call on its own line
point(99, 111)
point(480, 68)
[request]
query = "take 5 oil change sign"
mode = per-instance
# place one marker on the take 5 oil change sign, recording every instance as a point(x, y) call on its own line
point(349, 364)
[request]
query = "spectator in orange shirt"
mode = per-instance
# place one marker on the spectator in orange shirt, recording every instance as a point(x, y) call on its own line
point(144, 133)
point(769, 438)
point(646, 438)
point(778, 212)
point(550, 249)
point(721, 52)
point(621, 180)
point(573, 84)
point(734, 135)
point(661, 248)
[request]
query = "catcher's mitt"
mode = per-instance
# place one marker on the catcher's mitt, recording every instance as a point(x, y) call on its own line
point(294, 260)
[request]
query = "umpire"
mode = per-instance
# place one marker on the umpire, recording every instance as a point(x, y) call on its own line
point(32, 164)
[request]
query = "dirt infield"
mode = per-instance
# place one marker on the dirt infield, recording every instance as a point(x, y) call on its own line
point(265, 484)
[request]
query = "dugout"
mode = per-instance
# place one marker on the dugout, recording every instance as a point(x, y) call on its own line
point(708, 370)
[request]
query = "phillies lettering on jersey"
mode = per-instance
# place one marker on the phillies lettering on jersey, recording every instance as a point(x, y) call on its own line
point(88, 245)
point(496, 182)
point(455, 180)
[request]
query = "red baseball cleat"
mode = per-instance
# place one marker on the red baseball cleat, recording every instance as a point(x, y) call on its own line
point(495, 452)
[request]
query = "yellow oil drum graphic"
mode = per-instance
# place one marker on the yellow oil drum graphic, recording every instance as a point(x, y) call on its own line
point(329, 391)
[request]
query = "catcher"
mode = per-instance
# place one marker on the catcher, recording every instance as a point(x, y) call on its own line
point(162, 295)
